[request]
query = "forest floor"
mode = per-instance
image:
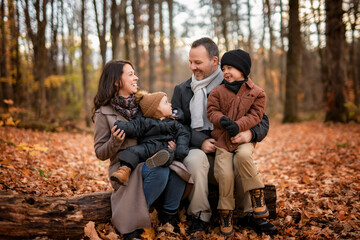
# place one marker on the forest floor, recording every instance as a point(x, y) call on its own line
point(315, 167)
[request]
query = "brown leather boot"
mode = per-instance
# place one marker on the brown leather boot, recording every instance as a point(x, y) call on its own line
point(226, 222)
point(122, 175)
point(258, 202)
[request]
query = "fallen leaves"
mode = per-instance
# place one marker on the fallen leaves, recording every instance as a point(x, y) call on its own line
point(313, 165)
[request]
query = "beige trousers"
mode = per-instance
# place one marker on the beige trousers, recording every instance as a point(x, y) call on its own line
point(243, 163)
point(201, 167)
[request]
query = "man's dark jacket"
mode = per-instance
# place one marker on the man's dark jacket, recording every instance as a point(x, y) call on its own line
point(153, 135)
point(181, 100)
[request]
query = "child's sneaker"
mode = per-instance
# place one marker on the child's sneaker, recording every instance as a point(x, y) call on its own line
point(158, 159)
point(122, 175)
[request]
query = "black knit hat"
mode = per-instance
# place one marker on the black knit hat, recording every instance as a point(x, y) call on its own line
point(239, 59)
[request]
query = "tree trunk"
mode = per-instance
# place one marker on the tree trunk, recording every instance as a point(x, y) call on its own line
point(19, 97)
point(172, 41)
point(40, 51)
point(127, 38)
point(335, 45)
point(269, 81)
point(6, 92)
point(282, 57)
point(293, 64)
point(84, 61)
point(152, 75)
point(136, 14)
point(116, 27)
point(101, 32)
point(354, 54)
point(28, 217)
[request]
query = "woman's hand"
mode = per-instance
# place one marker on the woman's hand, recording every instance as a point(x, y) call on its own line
point(172, 145)
point(118, 134)
point(242, 137)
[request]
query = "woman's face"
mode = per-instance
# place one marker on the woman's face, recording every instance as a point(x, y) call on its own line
point(129, 81)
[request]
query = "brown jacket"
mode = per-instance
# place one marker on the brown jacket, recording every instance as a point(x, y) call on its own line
point(128, 203)
point(246, 108)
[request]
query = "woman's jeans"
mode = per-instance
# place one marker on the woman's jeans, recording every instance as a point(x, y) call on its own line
point(161, 181)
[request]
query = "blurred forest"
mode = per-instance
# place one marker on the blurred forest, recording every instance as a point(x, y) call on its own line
point(305, 53)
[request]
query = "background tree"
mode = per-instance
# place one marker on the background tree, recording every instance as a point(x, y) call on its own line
point(335, 45)
point(84, 63)
point(101, 28)
point(293, 64)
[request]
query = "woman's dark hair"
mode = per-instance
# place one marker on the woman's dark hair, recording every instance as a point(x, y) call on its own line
point(107, 88)
point(209, 45)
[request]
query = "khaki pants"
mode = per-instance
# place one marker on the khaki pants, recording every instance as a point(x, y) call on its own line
point(242, 161)
point(201, 167)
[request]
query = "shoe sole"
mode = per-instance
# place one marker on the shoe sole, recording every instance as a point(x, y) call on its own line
point(227, 234)
point(118, 180)
point(158, 159)
point(264, 214)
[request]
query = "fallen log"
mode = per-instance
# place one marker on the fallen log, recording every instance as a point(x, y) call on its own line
point(27, 217)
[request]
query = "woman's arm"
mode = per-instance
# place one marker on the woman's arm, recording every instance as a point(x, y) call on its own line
point(106, 142)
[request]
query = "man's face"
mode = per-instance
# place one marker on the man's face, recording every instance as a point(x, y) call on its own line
point(201, 64)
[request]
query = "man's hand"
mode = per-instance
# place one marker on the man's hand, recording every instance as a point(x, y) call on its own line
point(208, 146)
point(242, 137)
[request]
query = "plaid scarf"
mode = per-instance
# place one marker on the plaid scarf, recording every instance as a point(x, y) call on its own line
point(127, 107)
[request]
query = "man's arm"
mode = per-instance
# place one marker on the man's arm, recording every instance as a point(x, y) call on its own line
point(260, 131)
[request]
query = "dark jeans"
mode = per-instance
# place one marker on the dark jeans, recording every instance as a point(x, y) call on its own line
point(161, 181)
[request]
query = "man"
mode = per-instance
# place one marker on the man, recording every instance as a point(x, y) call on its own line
point(191, 97)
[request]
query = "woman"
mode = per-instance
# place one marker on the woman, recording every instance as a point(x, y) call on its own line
point(115, 100)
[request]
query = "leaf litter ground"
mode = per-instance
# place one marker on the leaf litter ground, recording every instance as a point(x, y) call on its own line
point(314, 166)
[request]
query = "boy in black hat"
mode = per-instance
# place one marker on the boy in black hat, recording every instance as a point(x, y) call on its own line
point(233, 107)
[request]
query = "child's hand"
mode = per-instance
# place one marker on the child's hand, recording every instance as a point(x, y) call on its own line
point(118, 134)
point(172, 145)
point(230, 126)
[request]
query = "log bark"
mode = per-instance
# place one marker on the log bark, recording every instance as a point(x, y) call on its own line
point(27, 217)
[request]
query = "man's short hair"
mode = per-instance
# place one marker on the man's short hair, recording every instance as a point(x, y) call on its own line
point(209, 45)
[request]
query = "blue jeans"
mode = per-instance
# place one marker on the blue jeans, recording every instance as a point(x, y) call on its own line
point(161, 181)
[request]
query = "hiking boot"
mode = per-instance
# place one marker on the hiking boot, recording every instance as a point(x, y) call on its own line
point(260, 225)
point(158, 159)
point(226, 222)
point(122, 175)
point(198, 225)
point(171, 218)
point(133, 235)
point(258, 203)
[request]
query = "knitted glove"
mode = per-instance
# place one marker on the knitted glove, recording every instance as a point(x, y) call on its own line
point(230, 126)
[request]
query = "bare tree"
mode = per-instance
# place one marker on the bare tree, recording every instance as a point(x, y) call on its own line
point(6, 88)
point(170, 4)
point(84, 61)
point(36, 30)
point(335, 45)
point(137, 50)
point(101, 29)
point(116, 24)
point(15, 73)
point(152, 75)
point(293, 64)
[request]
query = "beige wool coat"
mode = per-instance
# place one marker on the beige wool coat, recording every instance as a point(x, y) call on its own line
point(128, 203)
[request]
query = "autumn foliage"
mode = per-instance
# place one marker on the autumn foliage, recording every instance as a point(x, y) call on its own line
point(314, 166)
